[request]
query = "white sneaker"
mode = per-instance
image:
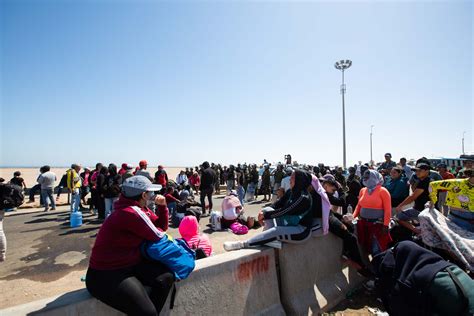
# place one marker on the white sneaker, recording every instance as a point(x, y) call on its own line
point(233, 245)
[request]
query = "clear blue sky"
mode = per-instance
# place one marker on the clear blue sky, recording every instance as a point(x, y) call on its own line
point(181, 82)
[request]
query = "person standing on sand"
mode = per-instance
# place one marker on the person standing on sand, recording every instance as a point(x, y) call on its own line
point(100, 184)
point(123, 170)
point(94, 193)
point(46, 180)
point(74, 184)
point(128, 173)
point(112, 189)
point(143, 164)
point(208, 179)
point(161, 177)
point(85, 189)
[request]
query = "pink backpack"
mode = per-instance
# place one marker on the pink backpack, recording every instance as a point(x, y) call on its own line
point(239, 229)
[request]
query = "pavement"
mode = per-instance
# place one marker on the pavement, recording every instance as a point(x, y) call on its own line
point(45, 257)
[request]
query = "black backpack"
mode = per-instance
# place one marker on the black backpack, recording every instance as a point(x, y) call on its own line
point(11, 196)
point(199, 252)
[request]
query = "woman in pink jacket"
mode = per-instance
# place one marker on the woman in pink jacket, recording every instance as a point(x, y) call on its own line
point(189, 231)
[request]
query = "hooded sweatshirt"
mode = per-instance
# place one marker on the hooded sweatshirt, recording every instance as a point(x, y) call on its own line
point(296, 203)
point(112, 183)
point(374, 200)
point(189, 231)
point(208, 177)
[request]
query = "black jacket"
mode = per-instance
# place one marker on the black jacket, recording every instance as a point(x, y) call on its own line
point(208, 179)
point(403, 273)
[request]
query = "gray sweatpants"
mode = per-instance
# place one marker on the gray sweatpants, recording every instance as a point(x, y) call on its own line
point(271, 232)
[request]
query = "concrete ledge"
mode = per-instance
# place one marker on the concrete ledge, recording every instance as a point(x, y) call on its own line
point(235, 283)
point(313, 279)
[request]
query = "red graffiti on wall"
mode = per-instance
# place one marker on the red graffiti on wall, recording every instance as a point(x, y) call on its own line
point(247, 270)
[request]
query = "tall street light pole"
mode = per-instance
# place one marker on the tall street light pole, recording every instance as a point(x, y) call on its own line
point(342, 65)
point(371, 132)
point(463, 142)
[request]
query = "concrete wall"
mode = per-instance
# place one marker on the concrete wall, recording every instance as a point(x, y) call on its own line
point(235, 283)
point(313, 278)
point(295, 280)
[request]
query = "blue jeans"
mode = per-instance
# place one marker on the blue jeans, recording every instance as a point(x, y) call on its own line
point(47, 197)
point(75, 200)
point(109, 206)
point(241, 194)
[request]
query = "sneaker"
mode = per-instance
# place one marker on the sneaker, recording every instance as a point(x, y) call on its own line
point(46, 209)
point(53, 209)
point(233, 245)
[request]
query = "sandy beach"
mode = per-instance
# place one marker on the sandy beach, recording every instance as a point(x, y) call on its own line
point(31, 174)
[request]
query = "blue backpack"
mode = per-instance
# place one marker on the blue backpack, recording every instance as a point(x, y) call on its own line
point(173, 253)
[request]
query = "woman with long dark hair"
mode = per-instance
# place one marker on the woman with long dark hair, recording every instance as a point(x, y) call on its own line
point(288, 220)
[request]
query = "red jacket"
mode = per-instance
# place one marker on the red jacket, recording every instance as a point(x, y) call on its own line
point(118, 242)
point(195, 180)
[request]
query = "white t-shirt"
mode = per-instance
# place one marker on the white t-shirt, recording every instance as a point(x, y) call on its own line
point(47, 180)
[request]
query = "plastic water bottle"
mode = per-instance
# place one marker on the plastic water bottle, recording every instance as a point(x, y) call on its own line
point(349, 209)
point(76, 219)
point(216, 221)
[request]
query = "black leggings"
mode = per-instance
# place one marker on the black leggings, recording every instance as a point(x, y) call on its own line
point(338, 228)
point(124, 289)
point(206, 193)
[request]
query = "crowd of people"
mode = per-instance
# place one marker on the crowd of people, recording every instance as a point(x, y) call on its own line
point(376, 211)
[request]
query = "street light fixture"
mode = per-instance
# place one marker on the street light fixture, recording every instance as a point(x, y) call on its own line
point(342, 65)
point(463, 133)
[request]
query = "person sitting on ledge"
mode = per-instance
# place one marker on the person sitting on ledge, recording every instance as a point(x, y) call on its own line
point(288, 220)
point(118, 273)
